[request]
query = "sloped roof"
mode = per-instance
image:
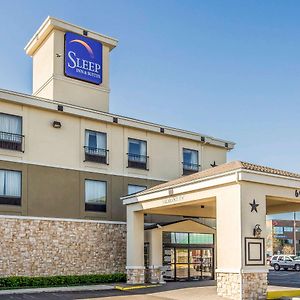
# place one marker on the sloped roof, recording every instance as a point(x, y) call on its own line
point(224, 168)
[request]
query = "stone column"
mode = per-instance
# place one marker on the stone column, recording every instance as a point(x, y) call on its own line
point(241, 271)
point(155, 259)
point(135, 246)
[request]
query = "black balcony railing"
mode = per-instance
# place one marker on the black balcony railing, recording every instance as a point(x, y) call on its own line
point(189, 168)
point(10, 200)
point(11, 141)
point(96, 155)
point(138, 161)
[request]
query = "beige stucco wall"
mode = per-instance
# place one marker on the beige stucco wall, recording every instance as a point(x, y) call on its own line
point(45, 247)
point(63, 147)
point(50, 82)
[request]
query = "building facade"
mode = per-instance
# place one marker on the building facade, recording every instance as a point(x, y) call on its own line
point(63, 154)
point(283, 235)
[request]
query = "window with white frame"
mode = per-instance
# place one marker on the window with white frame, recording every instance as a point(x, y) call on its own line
point(10, 132)
point(137, 153)
point(95, 195)
point(133, 189)
point(190, 160)
point(10, 187)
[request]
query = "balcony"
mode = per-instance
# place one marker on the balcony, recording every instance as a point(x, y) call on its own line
point(10, 200)
point(96, 155)
point(189, 168)
point(138, 161)
point(11, 141)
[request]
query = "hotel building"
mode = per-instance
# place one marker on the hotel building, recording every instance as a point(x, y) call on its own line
point(63, 154)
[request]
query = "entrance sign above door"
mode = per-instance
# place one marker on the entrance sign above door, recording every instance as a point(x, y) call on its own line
point(83, 58)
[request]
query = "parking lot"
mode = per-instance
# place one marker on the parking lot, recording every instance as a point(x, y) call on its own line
point(284, 278)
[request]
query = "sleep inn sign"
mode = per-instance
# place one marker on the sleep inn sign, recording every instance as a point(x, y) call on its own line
point(83, 58)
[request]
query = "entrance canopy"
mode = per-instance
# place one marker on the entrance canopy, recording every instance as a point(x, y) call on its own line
point(238, 195)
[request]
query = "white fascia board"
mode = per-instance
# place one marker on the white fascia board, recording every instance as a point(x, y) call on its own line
point(43, 103)
point(50, 23)
point(204, 183)
point(269, 179)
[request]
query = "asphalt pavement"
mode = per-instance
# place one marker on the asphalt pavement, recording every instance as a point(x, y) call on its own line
point(280, 278)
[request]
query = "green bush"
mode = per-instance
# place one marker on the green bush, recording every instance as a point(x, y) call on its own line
point(48, 281)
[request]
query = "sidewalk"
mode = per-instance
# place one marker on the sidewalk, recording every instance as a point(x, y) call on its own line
point(100, 287)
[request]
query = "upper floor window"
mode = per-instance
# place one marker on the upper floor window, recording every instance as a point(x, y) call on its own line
point(10, 187)
point(95, 147)
point(11, 132)
point(278, 229)
point(95, 195)
point(190, 161)
point(288, 229)
point(133, 189)
point(137, 154)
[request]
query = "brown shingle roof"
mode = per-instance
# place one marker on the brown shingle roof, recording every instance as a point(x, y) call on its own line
point(224, 168)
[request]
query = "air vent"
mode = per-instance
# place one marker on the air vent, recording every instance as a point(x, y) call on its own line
point(60, 108)
point(202, 139)
point(115, 120)
point(162, 130)
point(85, 32)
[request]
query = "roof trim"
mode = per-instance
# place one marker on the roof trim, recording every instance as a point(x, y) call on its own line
point(42, 103)
point(157, 225)
point(50, 23)
point(222, 170)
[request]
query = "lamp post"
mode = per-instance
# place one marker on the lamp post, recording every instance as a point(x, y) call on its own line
point(295, 235)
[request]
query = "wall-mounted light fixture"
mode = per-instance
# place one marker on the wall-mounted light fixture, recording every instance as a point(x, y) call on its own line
point(257, 230)
point(56, 124)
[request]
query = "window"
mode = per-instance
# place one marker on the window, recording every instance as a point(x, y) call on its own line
point(288, 229)
point(288, 241)
point(10, 187)
point(11, 132)
point(188, 238)
point(95, 195)
point(190, 161)
point(297, 229)
point(201, 238)
point(132, 189)
point(95, 147)
point(278, 230)
point(137, 154)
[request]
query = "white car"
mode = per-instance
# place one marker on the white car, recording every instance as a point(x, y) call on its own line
point(285, 262)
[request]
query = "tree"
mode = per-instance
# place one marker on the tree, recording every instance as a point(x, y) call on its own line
point(288, 249)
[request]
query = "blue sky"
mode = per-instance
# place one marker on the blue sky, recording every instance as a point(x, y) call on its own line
point(230, 69)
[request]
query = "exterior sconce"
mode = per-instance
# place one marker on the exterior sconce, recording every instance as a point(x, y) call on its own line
point(56, 124)
point(257, 230)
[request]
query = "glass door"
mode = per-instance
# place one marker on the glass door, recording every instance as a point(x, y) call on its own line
point(201, 264)
point(182, 264)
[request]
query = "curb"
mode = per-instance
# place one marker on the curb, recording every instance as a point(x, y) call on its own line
point(283, 293)
point(136, 287)
point(57, 289)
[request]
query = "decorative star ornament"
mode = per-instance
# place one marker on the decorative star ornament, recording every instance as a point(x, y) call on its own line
point(254, 206)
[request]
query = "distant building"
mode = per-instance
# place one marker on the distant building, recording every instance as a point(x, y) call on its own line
point(280, 234)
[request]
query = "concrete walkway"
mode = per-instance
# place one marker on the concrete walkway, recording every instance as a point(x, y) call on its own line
point(194, 293)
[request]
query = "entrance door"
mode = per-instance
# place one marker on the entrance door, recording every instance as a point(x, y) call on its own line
point(201, 264)
point(184, 264)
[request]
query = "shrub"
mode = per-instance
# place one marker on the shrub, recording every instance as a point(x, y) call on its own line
point(51, 281)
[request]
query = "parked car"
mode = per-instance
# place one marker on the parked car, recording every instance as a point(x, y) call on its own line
point(285, 262)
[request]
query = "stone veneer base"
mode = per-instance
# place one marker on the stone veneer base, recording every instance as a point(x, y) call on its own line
point(244, 286)
point(135, 275)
